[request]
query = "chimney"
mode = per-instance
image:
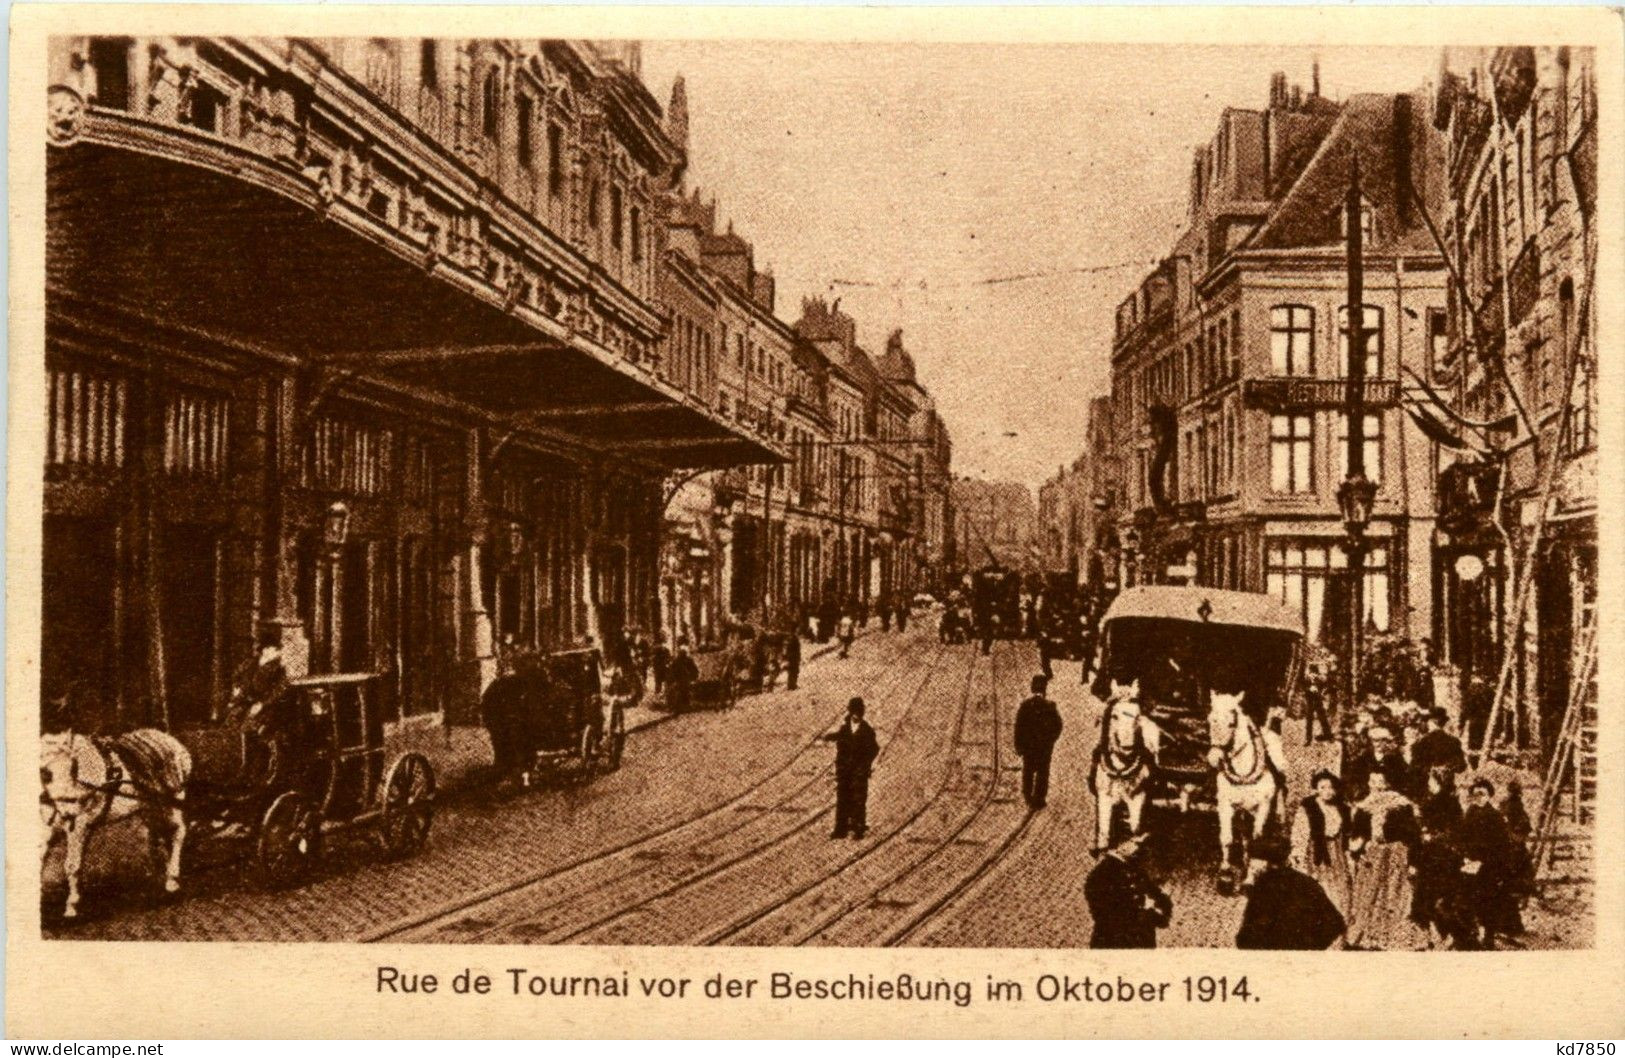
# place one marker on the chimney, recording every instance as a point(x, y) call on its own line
point(1402, 159)
point(1297, 97)
point(677, 115)
point(1314, 82)
point(1278, 90)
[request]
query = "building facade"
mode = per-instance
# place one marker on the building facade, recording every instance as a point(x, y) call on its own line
point(1515, 387)
point(354, 343)
point(1230, 363)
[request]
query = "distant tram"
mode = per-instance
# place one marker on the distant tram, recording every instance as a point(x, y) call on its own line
point(996, 596)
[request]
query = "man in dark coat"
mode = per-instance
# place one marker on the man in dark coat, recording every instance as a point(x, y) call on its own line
point(792, 658)
point(1314, 697)
point(660, 661)
point(902, 612)
point(1044, 656)
point(1127, 906)
point(1038, 725)
point(680, 678)
point(855, 752)
point(1286, 909)
point(1438, 748)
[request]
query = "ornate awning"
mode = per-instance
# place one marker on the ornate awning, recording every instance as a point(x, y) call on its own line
point(183, 230)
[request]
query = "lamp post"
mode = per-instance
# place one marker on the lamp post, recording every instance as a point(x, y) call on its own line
point(1357, 494)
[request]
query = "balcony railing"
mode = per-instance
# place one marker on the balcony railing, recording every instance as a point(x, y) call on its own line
point(1304, 394)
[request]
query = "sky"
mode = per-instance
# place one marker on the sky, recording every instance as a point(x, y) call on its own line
point(904, 178)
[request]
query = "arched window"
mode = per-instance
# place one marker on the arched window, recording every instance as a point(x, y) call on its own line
point(490, 96)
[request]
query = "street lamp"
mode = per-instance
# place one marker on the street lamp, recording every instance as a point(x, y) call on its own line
point(1131, 548)
point(336, 527)
point(1355, 498)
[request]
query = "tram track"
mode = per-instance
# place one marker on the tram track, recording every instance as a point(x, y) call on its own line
point(861, 919)
point(754, 928)
point(632, 913)
point(476, 917)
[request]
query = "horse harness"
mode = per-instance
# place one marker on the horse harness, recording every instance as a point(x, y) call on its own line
point(1133, 758)
point(1260, 752)
point(117, 783)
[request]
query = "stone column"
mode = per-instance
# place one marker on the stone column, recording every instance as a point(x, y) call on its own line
point(280, 422)
point(477, 663)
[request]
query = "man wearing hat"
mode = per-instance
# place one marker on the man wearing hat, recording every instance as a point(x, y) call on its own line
point(1438, 748)
point(1038, 725)
point(1126, 905)
point(855, 751)
point(1286, 909)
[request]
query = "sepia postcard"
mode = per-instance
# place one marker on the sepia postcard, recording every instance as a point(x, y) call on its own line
point(814, 522)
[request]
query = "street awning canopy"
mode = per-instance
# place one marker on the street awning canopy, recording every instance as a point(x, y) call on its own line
point(208, 242)
point(1198, 605)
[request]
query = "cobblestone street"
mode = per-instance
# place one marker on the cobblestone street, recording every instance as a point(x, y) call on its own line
point(715, 830)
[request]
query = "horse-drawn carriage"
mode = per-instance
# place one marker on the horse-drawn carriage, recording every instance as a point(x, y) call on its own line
point(1190, 676)
point(310, 764)
point(758, 657)
point(270, 786)
point(561, 710)
point(1063, 617)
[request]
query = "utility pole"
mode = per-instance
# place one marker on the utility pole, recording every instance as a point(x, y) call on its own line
point(1357, 494)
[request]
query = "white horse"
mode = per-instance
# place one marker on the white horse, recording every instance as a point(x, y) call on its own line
point(1246, 780)
point(86, 782)
point(1129, 745)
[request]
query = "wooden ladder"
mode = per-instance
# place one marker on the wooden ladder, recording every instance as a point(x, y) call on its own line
point(1570, 786)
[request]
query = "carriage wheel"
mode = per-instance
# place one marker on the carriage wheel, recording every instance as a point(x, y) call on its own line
point(408, 805)
point(289, 842)
point(615, 738)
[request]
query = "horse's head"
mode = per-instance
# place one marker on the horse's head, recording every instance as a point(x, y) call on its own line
point(1124, 692)
point(60, 788)
point(1223, 717)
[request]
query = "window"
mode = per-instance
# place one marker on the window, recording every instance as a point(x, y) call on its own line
point(594, 194)
point(555, 168)
point(1292, 448)
point(1366, 227)
point(1292, 340)
point(739, 350)
point(637, 234)
point(1232, 441)
point(203, 111)
point(1221, 356)
point(110, 57)
point(1297, 572)
point(428, 64)
point(522, 114)
point(615, 215)
point(1372, 446)
point(1235, 344)
point(490, 96)
point(1438, 341)
point(86, 419)
point(1373, 341)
